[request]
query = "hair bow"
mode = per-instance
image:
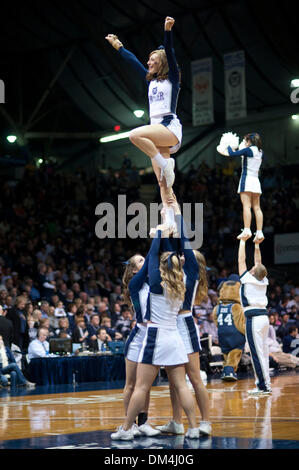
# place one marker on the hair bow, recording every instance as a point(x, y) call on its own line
point(169, 259)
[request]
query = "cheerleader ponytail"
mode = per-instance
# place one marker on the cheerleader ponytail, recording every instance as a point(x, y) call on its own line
point(127, 276)
point(255, 139)
point(172, 276)
point(202, 288)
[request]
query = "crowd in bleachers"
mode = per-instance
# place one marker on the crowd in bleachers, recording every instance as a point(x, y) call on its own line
point(55, 272)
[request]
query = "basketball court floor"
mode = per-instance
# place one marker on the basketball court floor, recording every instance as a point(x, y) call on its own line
point(84, 416)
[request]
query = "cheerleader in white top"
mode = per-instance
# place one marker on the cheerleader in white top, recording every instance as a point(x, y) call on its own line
point(163, 345)
point(135, 294)
point(164, 133)
point(250, 150)
point(253, 294)
point(195, 281)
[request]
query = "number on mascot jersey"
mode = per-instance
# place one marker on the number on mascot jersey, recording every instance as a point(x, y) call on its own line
point(227, 319)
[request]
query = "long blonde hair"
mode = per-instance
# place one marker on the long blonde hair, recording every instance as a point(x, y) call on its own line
point(202, 288)
point(172, 277)
point(127, 276)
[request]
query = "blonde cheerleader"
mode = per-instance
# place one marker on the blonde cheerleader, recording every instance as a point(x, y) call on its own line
point(162, 345)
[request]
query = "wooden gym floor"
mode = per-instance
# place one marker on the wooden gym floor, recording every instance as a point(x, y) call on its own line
point(63, 417)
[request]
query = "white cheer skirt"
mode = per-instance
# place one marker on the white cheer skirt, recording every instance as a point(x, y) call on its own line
point(163, 346)
point(249, 184)
point(134, 343)
point(189, 332)
point(174, 125)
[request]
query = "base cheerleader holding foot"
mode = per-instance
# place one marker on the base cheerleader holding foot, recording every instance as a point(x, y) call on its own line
point(196, 285)
point(168, 227)
point(135, 293)
point(250, 150)
point(254, 300)
point(163, 345)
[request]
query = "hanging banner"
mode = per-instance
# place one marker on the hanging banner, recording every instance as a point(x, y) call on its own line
point(286, 248)
point(202, 92)
point(235, 85)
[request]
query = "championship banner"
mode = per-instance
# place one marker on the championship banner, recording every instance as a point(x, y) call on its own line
point(286, 248)
point(235, 86)
point(202, 92)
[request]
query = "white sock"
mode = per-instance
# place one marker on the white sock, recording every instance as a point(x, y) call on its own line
point(169, 216)
point(161, 161)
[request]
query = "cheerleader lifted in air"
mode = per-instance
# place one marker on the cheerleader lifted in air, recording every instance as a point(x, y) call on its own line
point(250, 150)
point(163, 136)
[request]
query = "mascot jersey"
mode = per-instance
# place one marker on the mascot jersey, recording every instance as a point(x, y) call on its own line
point(229, 336)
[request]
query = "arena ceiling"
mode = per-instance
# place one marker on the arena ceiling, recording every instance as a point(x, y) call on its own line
point(61, 75)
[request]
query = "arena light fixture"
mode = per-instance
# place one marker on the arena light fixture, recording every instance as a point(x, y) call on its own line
point(295, 83)
point(11, 138)
point(139, 113)
point(295, 117)
point(111, 138)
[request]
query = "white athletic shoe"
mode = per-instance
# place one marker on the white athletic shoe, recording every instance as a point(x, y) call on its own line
point(122, 435)
point(166, 230)
point(152, 232)
point(245, 234)
point(257, 391)
point(122, 445)
point(135, 430)
point(205, 428)
point(175, 232)
point(192, 433)
point(147, 430)
point(259, 237)
point(168, 173)
point(172, 427)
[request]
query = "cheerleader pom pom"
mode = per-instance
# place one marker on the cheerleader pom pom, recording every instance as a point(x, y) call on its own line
point(228, 139)
point(222, 150)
